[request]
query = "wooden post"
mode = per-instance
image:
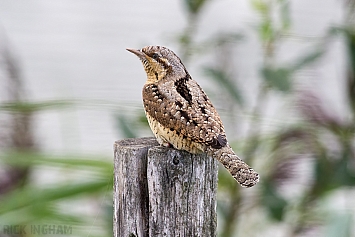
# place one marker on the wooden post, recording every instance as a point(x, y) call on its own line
point(161, 191)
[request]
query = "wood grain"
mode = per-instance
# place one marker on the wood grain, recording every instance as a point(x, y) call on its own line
point(162, 191)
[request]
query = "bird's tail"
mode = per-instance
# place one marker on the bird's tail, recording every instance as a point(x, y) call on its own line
point(240, 171)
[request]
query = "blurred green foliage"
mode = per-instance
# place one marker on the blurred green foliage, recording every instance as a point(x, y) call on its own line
point(27, 203)
point(320, 141)
point(277, 156)
point(225, 82)
point(29, 107)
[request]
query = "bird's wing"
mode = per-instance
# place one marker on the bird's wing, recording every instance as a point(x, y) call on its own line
point(182, 106)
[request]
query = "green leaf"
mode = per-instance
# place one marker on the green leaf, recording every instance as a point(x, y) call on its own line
point(307, 59)
point(30, 196)
point(47, 212)
point(223, 80)
point(142, 119)
point(261, 7)
point(194, 6)
point(323, 176)
point(285, 14)
point(222, 38)
point(266, 31)
point(225, 180)
point(126, 126)
point(34, 106)
point(32, 158)
point(332, 173)
point(350, 35)
point(344, 175)
point(277, 78)
point(273, 201)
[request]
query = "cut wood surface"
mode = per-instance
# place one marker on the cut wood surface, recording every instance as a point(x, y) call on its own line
point(161, 191)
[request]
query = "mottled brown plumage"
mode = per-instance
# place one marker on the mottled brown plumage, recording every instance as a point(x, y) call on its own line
point(180, 113)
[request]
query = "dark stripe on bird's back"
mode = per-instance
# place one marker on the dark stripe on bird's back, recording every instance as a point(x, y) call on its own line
point(182, 89)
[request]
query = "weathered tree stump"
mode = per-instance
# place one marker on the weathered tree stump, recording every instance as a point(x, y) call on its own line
point(161, 191)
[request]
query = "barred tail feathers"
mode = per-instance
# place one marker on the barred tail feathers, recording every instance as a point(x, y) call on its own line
point(240, 171)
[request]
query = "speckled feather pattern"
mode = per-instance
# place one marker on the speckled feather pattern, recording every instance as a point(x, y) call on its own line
point(180, 113)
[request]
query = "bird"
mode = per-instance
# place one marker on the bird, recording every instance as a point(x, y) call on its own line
point(181, 115)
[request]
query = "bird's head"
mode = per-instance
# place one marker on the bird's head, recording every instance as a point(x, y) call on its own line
point(159, 63)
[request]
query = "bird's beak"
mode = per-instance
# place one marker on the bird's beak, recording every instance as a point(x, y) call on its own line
point(139, 53)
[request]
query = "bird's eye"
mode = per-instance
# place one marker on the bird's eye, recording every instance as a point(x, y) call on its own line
point(155, 56)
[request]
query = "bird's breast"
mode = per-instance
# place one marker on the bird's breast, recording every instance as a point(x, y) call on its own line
point(173, 137)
